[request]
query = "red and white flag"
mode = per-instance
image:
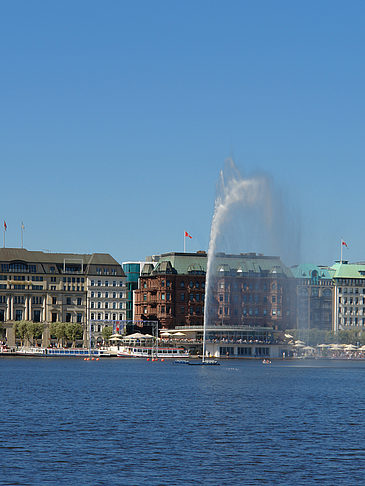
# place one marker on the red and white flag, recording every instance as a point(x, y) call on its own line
point(5, 226)
point(344, 243)
point(187, 235)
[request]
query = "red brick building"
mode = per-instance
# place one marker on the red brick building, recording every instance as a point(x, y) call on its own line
point(250, 290)
point(171, 298)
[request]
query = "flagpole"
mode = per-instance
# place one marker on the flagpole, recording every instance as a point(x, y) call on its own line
point(184, 241)
point(21, 232)
point(341, 252)
point(4, 237)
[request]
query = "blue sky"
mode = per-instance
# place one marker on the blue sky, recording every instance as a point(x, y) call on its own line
point(116, 118)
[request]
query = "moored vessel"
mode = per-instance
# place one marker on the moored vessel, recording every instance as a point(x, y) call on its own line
point(152, 352)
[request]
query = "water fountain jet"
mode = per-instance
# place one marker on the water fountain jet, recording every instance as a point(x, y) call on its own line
point(250, 213)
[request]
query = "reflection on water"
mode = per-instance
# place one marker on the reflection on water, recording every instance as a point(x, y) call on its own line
point(134, 422)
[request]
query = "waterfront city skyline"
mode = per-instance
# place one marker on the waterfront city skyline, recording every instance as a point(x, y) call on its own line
point(117, 120)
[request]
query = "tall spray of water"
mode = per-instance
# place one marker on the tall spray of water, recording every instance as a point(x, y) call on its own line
point(249, 216)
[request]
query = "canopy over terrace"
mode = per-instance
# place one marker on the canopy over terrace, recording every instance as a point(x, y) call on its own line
point(137, 337)
point(234, 333)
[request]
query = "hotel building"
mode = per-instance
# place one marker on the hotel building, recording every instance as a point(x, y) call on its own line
point(53, 287)
point(349, 295)
point(314, 296)
point(251, 300)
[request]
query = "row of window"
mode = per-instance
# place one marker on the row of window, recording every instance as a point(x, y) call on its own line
point(229, 351)
point(68, 317)
point(106, 271)
point(251, 298)
point(350, 290)
point(18, 315)
point(249, 311)
point(100, 316)
point(69, 300)
point(107, 305)
point(105, 283)
point(71, 279)
point(20, 299)
point(352, 321)
point(350, 300)
point(191, 284)
point(17, 267)
point(315, 292)
point(35, 278)
point(21, 287)
point(69, 288)
point(99, 295)
point(352, 310)
point(223, 285)
point(351, 281)
point(167, 310)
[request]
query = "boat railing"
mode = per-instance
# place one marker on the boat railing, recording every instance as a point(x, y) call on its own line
point(71, 352)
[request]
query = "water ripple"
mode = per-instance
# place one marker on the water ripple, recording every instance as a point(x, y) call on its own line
point(127, 422)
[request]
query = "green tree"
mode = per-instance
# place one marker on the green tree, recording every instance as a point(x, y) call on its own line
point(34, 330)
point(58, 330)
point(107, 332)
point(73, 332)
point(21, 331)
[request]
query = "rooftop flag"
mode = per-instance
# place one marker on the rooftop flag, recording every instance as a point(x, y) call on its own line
point(186, 235)
point(343, 243)
point(5, 226)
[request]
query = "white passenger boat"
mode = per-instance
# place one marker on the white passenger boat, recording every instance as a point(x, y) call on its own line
point(152, 352)
point(60, 352)
point(31, 351)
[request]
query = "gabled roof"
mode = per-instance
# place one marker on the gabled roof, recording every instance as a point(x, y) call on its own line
point(89, 261)
point(12, 254)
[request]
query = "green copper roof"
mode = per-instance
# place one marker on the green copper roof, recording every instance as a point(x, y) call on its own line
point(309, 270)
point(348, 270)
point(185, 263)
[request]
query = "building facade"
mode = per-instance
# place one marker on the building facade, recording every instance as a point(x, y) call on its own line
point(349, 296)
point(48, 287)
point(172, 291)
point(314, 297)
point(132, 272)
point(252, 290)
point(106, 296)
point(249, 290)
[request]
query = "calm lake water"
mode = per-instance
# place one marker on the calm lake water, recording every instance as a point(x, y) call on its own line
point(131, 422)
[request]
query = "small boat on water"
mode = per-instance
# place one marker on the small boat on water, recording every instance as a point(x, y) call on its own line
point(209, 362)
point(152, 352)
